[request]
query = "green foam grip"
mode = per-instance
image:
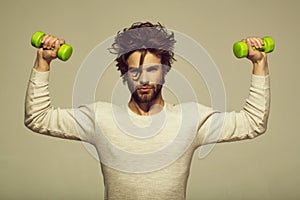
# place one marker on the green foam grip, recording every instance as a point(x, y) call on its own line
point(64, 52)
point(240, 49)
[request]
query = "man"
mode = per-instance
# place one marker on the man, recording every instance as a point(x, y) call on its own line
point(146, 147)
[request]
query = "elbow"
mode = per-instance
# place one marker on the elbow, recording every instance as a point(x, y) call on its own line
point(257, 121)
point(33, 120)
point(259, 128)
point(29, 117)
point(28, 123)
point(262, 124)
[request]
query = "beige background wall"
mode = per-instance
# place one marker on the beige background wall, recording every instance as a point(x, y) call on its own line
point(39, 167)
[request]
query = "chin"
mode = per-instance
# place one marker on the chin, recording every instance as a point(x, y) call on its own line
point(145, 98)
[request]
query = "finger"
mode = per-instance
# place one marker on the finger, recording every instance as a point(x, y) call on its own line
point(62, 41)
point(52, 42)
point(250, 45)
point(253, 42)
point(44, 38)
point(248, 42)
point(47, 41)
point(56, 47)
point(261, 41)
point(257, 42)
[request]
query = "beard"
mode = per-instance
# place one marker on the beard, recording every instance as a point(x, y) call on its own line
point(146, 97)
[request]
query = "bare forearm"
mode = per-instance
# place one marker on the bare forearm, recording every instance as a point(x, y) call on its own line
point(41, 64)
point(261, 68)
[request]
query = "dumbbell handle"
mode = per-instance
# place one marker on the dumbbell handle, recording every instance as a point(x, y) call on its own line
point(64, 52)
point(240, 49)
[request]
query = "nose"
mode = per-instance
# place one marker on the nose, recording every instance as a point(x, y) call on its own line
point(143, 80)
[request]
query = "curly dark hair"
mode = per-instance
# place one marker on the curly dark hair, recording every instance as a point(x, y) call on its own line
point(143, 37)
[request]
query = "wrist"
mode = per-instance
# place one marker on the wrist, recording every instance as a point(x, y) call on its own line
point(260, 67)
point(41, 64)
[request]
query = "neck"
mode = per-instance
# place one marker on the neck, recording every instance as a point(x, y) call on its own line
point(147, 108)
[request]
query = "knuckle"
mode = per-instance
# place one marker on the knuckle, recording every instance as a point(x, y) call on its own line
point(62, 41)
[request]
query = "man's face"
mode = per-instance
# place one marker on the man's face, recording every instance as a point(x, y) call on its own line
point(144, 82)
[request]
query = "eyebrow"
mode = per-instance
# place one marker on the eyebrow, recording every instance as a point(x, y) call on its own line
point(156, 65)
point(149, 66)
point(153, 67)
point(132, 67)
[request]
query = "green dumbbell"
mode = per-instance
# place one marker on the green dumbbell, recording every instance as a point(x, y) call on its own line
point(64, 52)
point(240, 49)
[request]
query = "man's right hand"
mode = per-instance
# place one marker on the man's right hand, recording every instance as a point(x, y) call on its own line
point(48, 52)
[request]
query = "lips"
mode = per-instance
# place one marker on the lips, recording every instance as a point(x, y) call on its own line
point(145, 89)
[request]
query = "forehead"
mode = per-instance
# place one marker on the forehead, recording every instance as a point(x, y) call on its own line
point(150, 59)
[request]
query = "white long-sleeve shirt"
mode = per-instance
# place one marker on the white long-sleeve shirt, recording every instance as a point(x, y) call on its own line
point(146, 157)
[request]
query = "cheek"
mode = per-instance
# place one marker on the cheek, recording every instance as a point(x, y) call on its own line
point(132, 85)
point(129, 78)
point(157, 78)
point(132, 80)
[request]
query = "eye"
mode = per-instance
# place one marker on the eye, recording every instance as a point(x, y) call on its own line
point(133, 70)
point(152, 68)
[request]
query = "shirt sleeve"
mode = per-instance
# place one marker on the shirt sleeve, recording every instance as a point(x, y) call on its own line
point(249, 122)
point(42, 117)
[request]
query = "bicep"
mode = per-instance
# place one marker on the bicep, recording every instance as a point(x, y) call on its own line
point(75, 124)
point(227, 127)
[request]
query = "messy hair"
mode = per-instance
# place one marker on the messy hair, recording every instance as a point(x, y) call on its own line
point(144, 37)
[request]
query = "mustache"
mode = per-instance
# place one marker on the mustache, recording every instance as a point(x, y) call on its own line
point(147, 86)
